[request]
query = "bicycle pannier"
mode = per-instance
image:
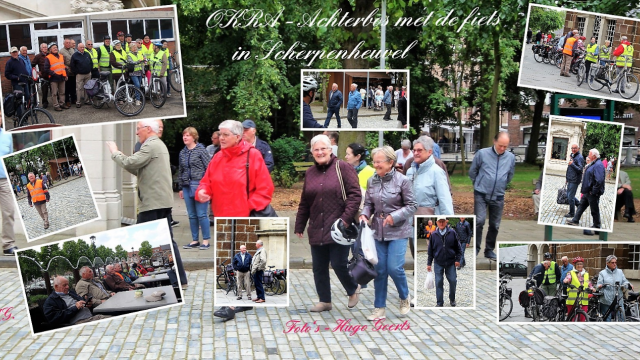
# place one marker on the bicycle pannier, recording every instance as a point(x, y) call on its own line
point(9, 105)
point(523, 299)
point(267, 277)
point(92, 87)
point(550, 307)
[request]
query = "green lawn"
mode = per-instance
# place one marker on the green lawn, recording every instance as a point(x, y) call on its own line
point(521, 185)
point(634, 175)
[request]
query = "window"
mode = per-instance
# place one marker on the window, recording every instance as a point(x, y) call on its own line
point(4, 40)
point(71, 25)
point(166, 28)
point(20, 35)
point(136, 28)
point(596, 27)
point(152, 28)
point(611, 30)
point(100, 30)
point(45, 26)
point(559, 149)
point(117, 26)
point(581, 22)
point(634, 257)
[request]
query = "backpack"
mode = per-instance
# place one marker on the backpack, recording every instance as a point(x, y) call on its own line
point(92, 87)
point(9, 105)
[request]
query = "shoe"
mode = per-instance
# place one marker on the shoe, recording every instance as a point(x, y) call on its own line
point(88, 102)
point(489, 254)
point(175, 223)
point(353, 299)
point(453, 304)
point(458, 268)
point(259, 301)
point(377, 314)
point(320, 307)
point(184, 286)
point(249, 298)
point(630, 219)
point(192, 246)
point(138, 103)
point(225, 312)
point(57, 108)
point(78, 106)
point(46, 226)
point(256, 299)
point(65, 106)
point(211, 223)
point(11, 251)
point(239, 298)
point(527, 315)
point(572, 222)
point(405, 306)
point(588, 232)
point(617, 91)
point(242, 308)
point(45, 105)
point(438, 305)
point(569, 215)
point(205, 247)
point(168, 95)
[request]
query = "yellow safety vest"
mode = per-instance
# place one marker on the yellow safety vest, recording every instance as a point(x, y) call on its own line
point(572, 294)
point(628, 52)
point(137, 57)
point(591, 50)
point(125, 46)
point(94, 57)
point(550, 273)
point(156, 63)
point(121, 58)
point(105, 59)
point(148, 53)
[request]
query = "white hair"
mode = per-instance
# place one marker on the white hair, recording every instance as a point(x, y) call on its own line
point(23, 47)
point(564, 257)
point(387, 151)
point(595, 152)
point(58, 279)
point(153, 124)
point(426, 141)
point(623, 37)
point(84, 270)
point(234, 126)
point(354, 84)
point(322, 138)
point(576, 144)
point(109, 268)
point(406, 142)
point(260, 242)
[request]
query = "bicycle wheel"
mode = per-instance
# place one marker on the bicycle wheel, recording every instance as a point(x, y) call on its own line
point(631, 86)
point(222, 282)
point(127, 101)
point(619, 315)
point(581, 73)
point(594, 83)
point(272, 288)
point(558, 60)
point(175, 81)
point(579, 316)
point(538, 57)
point(36, 116)
point(158, 93)
point(281, 287)
point(506, 306)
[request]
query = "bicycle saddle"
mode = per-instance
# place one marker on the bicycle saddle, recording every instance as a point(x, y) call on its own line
point(105, 73)
point(17, 92)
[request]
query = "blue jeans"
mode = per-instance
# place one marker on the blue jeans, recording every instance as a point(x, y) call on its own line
point(198, 216)
point(605, 307)
point(480, 204)
point(571, 195)
point(452, 277)
point(463, 246)
point(390, 263)
point(136, 82)
point(330, 113)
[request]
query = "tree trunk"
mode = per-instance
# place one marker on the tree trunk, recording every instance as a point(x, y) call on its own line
point(361, 9)
point(459, 113)
point(350, 137)
point(532, 148)
point(494, 123)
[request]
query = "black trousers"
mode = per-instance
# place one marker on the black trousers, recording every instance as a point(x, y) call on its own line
point(157, 214)
point(626, 199)
point(338, 256)
point(257, 281)
point(70, 95)
point(593, 202)
point(387, 115)
point(44, 95)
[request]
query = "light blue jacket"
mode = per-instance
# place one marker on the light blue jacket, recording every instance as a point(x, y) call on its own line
point(565, 271)
point(355, 100)
point(6, 147)
point(387, 97)
point(607, 276)
point(490, 172)
point(430, 186)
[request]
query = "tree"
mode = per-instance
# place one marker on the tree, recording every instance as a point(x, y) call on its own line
point(546, 20)
point(145, 249)
point(120, 252)
point(604, 137)
point(104, 252)
point(29, 265)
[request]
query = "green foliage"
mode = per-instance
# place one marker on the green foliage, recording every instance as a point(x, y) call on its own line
point(545, 19)
point(611, 7)
point(287, 150)
point(35, 298)
point(145, 249)
point(29, 269)
point(501, 245)
point(284, 178)
point(604, 137)
point(104, 252)
point(120, 252)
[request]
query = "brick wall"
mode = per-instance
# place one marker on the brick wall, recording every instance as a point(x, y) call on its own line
point(631, 30)
point(595, 255)
point(245, 235)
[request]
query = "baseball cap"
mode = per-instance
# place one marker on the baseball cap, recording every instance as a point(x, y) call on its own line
point(247, 124)
point(13, 49)
point(106, 37)
point(441, 218)
point(120, 33)
point(128, 35)
point(155, 296)
point(116, 42)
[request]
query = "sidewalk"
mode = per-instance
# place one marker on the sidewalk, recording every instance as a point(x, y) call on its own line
point(367, 118)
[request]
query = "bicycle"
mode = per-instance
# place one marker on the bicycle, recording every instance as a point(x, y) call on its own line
point(226, 279)
point(269, 282)
point(281, 275)
point(518, 157)
point(536, 298)
point(576, 312)
point(157, 92)
point(129, 100)
point(175, 80)
point(28, 111)
point(615, 310)
point(505, 305)
point(600, 77)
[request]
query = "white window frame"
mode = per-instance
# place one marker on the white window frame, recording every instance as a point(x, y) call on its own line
point(597, 25)
point(97, 44)
point(581, 23)
point(611, 30)
point(634, 251)
point(34, 48)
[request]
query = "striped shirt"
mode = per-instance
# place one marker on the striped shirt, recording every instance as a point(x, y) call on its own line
point(193, 164)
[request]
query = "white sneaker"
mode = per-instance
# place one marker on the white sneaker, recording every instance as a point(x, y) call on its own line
point(405, 306)
point(377, 314)
point(138, 103)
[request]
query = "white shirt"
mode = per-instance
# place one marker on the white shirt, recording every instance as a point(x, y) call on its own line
point(401, 158)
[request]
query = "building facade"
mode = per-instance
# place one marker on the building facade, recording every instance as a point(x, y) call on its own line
point(231, 234)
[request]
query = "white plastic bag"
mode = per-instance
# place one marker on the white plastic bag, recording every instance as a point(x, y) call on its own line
point(430, 281)
point(368, 244)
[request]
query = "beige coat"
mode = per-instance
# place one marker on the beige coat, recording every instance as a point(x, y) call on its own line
point(259, 261)
point(86, 287)
point(151, 166)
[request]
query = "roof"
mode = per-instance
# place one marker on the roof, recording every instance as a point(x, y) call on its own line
point(514, 254)
point(63, 160)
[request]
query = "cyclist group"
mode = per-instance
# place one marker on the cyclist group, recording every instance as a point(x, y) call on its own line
point(573, 282)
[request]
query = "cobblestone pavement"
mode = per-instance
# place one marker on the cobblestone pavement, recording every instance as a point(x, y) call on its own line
point(553, 214)
point(540, 75)
point(189, 331)
point(71, 204)
point(367, 119)
point(464, 288)
point(230, 299)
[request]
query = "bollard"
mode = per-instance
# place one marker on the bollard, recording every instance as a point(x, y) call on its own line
point(629, 159)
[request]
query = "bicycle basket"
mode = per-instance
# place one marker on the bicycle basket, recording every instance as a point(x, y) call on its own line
point(9, 105)
point(550, 307)
point(523, 298)
point(92, 87)
point(267, 278)
point(229, 268)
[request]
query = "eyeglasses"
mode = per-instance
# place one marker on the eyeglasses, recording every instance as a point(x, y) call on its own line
point(89, 44)
point(418, 150)
point(226, 135)
point(320, 150)
point(141, 127)
point(380, 162)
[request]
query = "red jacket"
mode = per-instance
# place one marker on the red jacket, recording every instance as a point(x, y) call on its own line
point(619, 50)
point(226, 181)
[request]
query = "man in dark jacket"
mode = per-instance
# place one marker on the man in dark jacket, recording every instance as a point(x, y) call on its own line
point(309, 88)
point(592, 189)
point(242, 266)
point(402, 110)
point(334, 102)
point(465, 232)
point(81, 64)
point(114, 281)
point(574, 177)
point(538, 37)
point(38, 60)
point(445, 252)
point(249, 135)
point(13, 71)
point(65, 307)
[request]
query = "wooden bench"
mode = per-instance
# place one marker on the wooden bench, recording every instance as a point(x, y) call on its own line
point(451, 167)
point(302, 167)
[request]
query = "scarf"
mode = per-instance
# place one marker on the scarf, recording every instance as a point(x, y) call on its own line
point(361, 166)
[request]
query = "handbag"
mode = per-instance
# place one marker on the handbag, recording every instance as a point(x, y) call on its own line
point(268, 211)
point(360, 269)
point(562, 198)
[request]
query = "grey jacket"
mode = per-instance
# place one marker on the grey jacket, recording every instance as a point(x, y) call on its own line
point(390, 195)
point(151, 166)
point(259, 261)
point(490, 172)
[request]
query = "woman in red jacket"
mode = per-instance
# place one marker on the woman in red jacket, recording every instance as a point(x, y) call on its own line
point(321, 204)
point(225, 181)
